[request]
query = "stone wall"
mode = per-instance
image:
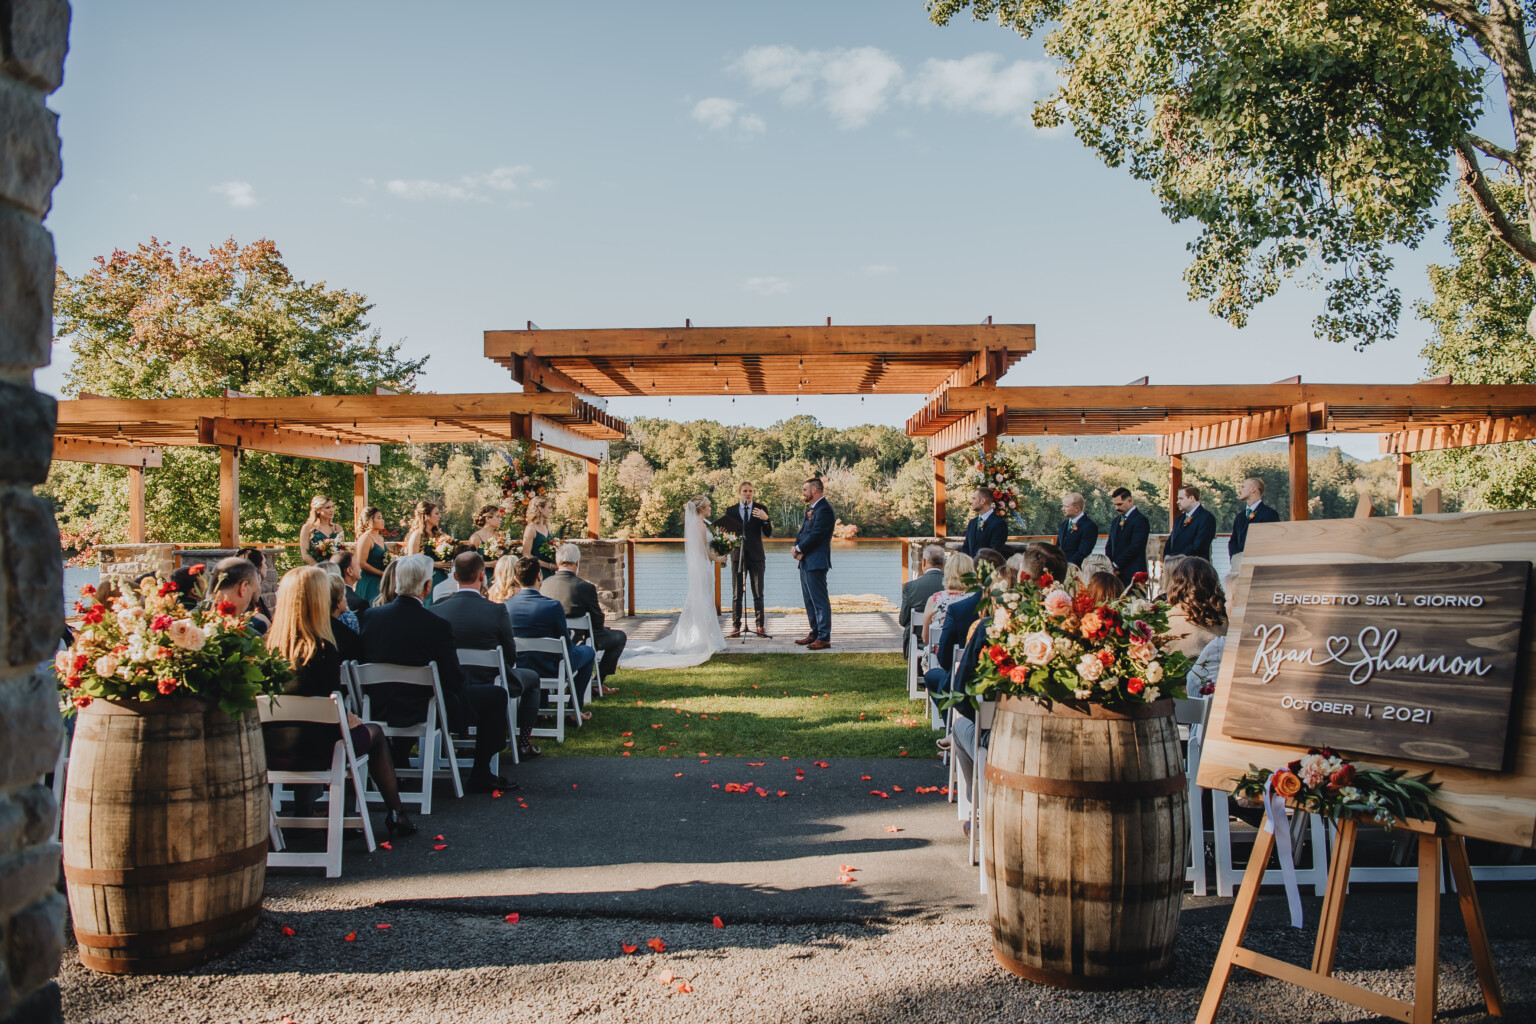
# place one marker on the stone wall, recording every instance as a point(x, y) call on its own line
point(33, 37)
point(604, 564)
point(126, 561)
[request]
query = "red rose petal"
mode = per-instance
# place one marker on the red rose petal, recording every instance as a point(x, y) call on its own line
point(495, 794)
point(440, 838)
point(440, 846)
point(382, 927)
point(385, 846)
point(513, 918)
point(657, 945)
point(677, 775)
point(718, 923)
point(783, 793)
point(892, 828)
point(349, 937)
point(683, 988)
point(627, 948)
point(289, 931)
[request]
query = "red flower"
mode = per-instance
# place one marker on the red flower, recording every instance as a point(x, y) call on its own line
point(1139, 577)
point(1135, 685)
point(80, 662)
point(166, 686)
point(73, 682)
point(1046, 579)
point(160, 622)
point(997, 654)
point(1106, 658)
point(1018, 675)
point(88, 590)
point(81, 702)
point(1343, 777)
point(225, 608)
point(196, 570)
point(168, 587)
point(95, 615)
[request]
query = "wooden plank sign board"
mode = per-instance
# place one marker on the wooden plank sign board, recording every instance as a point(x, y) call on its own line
point(1415, 660)
point(1457, 557)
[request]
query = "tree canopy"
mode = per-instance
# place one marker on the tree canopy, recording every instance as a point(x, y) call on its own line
point(1304, 138)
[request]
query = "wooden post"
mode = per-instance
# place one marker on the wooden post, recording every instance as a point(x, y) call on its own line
point(940, 514)
point(1175, 481)
point(229, 497)
point(629, 575)
point(136, 504)
point(1429, 505)
point(1298, 461)
point(359, 493)
point(1404, 484)
point(906, 561)
point(594, 507)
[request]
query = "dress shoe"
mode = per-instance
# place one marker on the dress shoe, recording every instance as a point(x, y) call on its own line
point(396, 821)
point(818, 645)
point(733, 635)
point(806, 641)
point(527, 751)
point(486, 783)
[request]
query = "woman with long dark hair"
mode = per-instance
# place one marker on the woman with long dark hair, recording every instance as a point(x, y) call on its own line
point(418, 541)
point(1199, 612)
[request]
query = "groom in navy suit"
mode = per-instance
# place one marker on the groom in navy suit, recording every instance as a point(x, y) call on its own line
point(1127, 545)
point(987, 528)
point(813, 550)
point(1193, 529)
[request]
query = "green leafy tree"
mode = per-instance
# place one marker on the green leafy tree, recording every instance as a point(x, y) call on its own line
point(1302, 137)
point(158, 323)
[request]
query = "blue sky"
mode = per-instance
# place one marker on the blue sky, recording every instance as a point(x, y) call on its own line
point(477, 165)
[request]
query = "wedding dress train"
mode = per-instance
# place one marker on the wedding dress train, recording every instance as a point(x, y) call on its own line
point(697, 635)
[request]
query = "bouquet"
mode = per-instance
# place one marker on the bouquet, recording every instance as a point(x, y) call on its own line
point(526, 477)
point(546, 550)
point(143, 645)
point(998, 474)
point(495, 548)
point(325, 547)
point(1323, 782)
point(1052, 641)
point(443, 548)
point(723, 543)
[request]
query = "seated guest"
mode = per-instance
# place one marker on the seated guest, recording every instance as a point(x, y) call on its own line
point(1078, 534)
point(1201, 681)
point(956, 567)
point(915, 593)
point(188, 579)
point(301, 633)
point(1165, 573)
point(404, 632)
point(1199, 612)
point(503, 583)
point(481, 625)
point(348, 642)
point(237, 582)
point(351, 575)
point(347, 615)
point(1042, 556)
point(258, 558)
point(1096, 563)
point(387, 591)
point(957, 624)
point(537, 616)
point(579, 597)
point(1105, 587)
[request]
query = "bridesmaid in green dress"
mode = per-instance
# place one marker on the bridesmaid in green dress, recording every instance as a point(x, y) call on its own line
point(321, 526)
point(370, 553)
point(488, 539)
point(536, 533)
point(417, 542)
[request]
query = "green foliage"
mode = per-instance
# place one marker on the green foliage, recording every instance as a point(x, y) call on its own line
point(1481, 307)
point(1303, 138)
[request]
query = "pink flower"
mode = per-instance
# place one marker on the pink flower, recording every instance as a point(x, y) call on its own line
point(1058, 603)
point(1038, 648)
point(160, 622)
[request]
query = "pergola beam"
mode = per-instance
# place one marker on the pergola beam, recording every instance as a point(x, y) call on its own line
point(968, 430)
point(1488, 430)
point(811, 340)
point(1406, 400)
point(251, 436)
point(1260, 426)
point(103, 453)
point(558, 438)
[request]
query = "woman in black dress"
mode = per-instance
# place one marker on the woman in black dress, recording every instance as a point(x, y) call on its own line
point(301, 633)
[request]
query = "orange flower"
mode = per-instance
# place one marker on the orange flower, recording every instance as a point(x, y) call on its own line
point(1286, 784)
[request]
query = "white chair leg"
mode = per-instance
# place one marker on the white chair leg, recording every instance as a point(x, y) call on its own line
point(1197, 837)
point(452, 758)
point(428, 747)
point(360, 791)
point(335, 811)
point(978, 825)
point(273, 832)
point(1221, 822)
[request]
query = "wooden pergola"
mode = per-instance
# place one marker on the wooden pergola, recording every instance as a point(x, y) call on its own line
point(335, 428)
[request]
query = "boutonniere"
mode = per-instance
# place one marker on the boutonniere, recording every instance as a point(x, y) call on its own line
point(1250, 514)
point(1073, 528)
point(1186, 520)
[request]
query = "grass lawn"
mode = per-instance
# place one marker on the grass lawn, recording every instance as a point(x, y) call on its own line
point(759, 705)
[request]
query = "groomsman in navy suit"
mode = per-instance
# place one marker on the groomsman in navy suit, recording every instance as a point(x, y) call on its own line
point(1077, 535)
point(813, 550)
point(1251, 492)
point(1193, 529)
point(1127, 545)
point(987, 528)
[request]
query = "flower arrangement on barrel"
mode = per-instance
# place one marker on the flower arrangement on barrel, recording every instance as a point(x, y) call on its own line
point(998, 474)
point(1324, 782)
point(146, 644)
point(1051, 640)
point(527, 476)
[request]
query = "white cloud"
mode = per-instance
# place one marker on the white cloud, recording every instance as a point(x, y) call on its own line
point(420, 189)
point(504, 179)
point(751, 124)
point(976, 83)
point(767, 285)
point(877, 269)
point(240, 194)
point(719, 114)
point(353, 201)
point(852, 84)
point(508, 178)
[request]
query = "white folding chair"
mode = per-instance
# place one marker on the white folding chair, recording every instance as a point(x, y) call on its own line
point(60, 769)
point(915, 689)
point(561, 686)
point(986, 711)
point(493, 659)
point(432, 736)
point(943, 721)
point(349, 683)
point(344, 764)
point(583, 624)
point(1192, 715)
point(1314, 872)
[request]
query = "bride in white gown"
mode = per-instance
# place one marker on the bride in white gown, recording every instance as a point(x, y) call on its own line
point(698, 635)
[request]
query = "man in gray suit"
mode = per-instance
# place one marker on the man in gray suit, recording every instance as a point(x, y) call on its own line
point(482, 625)
point(579, 597)
point(915, 594)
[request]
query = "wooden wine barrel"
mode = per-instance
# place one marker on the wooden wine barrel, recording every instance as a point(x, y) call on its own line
point(1087, 833)
point(165, 833)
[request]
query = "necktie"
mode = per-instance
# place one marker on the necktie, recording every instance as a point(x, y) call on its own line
point(743, 514)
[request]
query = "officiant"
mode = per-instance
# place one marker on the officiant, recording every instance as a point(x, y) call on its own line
point(748, 521)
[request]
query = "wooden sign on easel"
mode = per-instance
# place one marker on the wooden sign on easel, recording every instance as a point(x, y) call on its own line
point(1496, 805)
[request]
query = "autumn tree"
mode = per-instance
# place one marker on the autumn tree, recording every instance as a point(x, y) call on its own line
point(161, 323)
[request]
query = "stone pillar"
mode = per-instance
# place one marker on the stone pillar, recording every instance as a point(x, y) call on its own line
point(33, 37)
point(603, 564)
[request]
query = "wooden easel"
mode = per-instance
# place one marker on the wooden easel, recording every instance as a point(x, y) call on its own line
point(1319, 978)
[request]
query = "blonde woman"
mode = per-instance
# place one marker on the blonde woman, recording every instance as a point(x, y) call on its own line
point(387, 585)
point(370, 555)
point(301, 634)
point(418, 541)
point(321, 526)
point(536, 534)
point(503, 583)
point(956, 567)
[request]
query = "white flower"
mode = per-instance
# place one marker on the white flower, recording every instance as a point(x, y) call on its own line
point(1137, 608)
point(1001, 620)
point(1083, 694)
point(106, 665)
point(1153, 673)
point(1109, 682)
point(1057, 603)
point(186, 635)
point(1038, 648)
point(1090, 668)
point(61, 662)
point(1151, 693)
point(1064, 647)
point(1143, 653)
point(1349, 794)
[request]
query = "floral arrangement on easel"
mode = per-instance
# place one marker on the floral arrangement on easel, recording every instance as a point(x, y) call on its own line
point(527, 476)
point(1324, 782)
point(144, 644)
point(1053, 641)
point(998, 474)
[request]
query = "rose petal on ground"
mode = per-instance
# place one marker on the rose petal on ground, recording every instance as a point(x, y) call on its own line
point(513, 917)
point(880, 793)
point(573, 785)
point(629, 743)
point(441, 839)
point(761, 791)
point(625, 754)
point(382, 927)
point(385, 846)
point(892, 828)
point(349, 937)
point(718, 923)
point(847, 868)
point(665, 977)
point(845, 879)
point(289, 931)
point(627, 948)
point(495, 794)
point(682, 987)
point(657, 945)
point(895, 789)
point(783, 792)
point(864, 778)
point(677, 775)
point(623, 734)
point(756, 764)
point(440, 846)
